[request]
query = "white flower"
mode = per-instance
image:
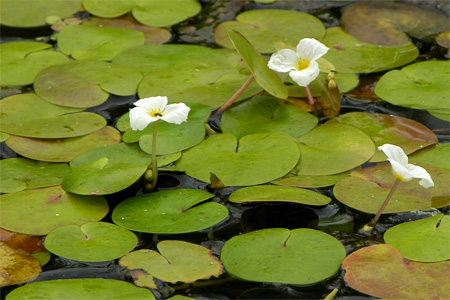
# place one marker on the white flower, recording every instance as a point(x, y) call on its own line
point(401, 169)
point(301, 65)
point(152, 109)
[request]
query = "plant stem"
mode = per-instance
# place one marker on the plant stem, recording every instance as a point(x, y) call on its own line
point(389, 196)
point(154, 164)
point(236, 95)
point(309, 95)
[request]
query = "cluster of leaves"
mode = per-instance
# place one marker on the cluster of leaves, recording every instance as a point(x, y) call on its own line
point(71, 158)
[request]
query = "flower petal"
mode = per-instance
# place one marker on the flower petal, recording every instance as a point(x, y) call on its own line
point(176, 113)
point(139, 118)
point(419, 172)
point(394, 153)
point(311, 49)
point(283, 61)
point(152, 103)
point(305, 76)
point(400, 171)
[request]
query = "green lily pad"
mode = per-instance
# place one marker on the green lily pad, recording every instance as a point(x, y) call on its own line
point(169, 211)
point(420, 85)
point(423, 240)
point(177, 261)
point(366, 190)
point(264, 27)
point(266, 114)
point(257, 65)
point(101, 177)
point(19, 174)
point(43, 257)
point(81, 289)
point(63, 150)
point(18, 266)
point(96, 241)
point(350, 55)
point(436, 155)
point(46, 209)
point(22, 61)
point(85, 83)
point(158, 13)
point(333, 148)
point(389, 23)
point(255, 159)
point(387, 129)
point(270, 193)
point(94, 42)
point(443, 39)
point(300, 256)
point(308, 181)
point(4, 136)
point(19, 117)
point(16, 14)
point(395, 277)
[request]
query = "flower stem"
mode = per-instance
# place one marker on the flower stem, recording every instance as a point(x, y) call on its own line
point(154, 164)
point(389, 196)
point(309, 95)
point(236, 95)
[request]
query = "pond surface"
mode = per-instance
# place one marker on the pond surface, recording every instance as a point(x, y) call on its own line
point(335, 218)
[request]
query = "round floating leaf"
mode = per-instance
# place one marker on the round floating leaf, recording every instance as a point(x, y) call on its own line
point(387, 24)
point(308, 181)
point(63, 150)
point(94, 42)
point(43, 257)
point(22, 61)
point(169, 211)
point(366, 190)
point(333, 148)
point(420, 85)
point(19, 117)
point(266, 114)
point(110, 9)
point(381, 271)
point(15, 14)
point(100, 177)
point(264, 27)
point(270, 193)
point(85, 83)
point(423, 240)
point(4, 136)
point(257, 158)
point(48, 208)
point(96, 241)
point(177, 261)
point(350, 55)
point(300, 256)
point(19, 174)
point(81, 289)
point(266, 78)
point(387, 129)
point(436, 155)
point(18, 266)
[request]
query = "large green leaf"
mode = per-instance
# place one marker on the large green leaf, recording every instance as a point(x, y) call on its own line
point(300, 256)
point(309, 181)
point(14, 13)
point(266, 78)
point(266, 114)
point(333, 148)
point(177, 261)
point(48, 208)
point(255, 159)
point(19, 117)
point(110, 8)
point(169, 211)
point(63, 150)
point(423, 240)
point(18, 174)
point(22, 61)
point(85, 83)
point(96, 241)
point(366, 190)
point(350, 55)
point(420, 85)
point(94, 42)
point(81, 289)
point(264, 27)
point(381, 271)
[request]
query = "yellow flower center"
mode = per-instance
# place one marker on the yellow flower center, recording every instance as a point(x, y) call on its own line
point(156, 113)
point(302, 64)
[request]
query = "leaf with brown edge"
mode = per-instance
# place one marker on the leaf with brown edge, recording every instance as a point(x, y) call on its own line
point(25, 242)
